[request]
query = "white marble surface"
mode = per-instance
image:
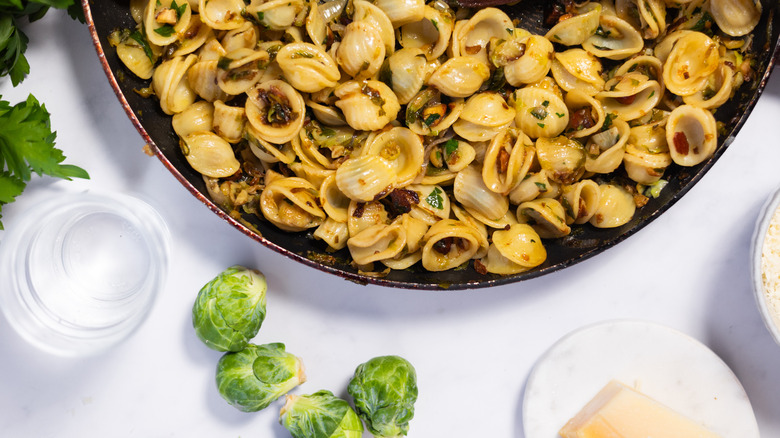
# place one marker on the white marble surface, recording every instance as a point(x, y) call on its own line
point(473, 350)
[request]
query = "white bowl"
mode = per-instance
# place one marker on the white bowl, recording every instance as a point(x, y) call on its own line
point(770, 316)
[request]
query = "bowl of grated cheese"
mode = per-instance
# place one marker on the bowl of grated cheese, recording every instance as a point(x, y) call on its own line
point(766, 264)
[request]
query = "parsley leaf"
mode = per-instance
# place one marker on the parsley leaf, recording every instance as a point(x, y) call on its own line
point(13, 42)
point(27, 147)
point(434, 199)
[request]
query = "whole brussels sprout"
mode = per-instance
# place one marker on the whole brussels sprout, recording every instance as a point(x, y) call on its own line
point(320, 415)
point(230, 308)
point(384, 390)
point(254, 377)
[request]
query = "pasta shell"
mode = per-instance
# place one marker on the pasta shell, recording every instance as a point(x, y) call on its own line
point(401, 12)
point(616, 207)
point(693, 58)
point(221, 14)
point(530, 63)
point(291, 204)
point(307, 67)
point(691, 134)
point(196, 117)
point(631, 96)
point(431, 33)
point(275, 110)
point(648, 65)
point(365, 178)
point(265, 151)
point(376, 17)
point(377, 242)
point(332, 232)
point(171, 86)
point(577, 29)
point(163, 23)
point(587, 114)
point(134, 57)
point(580, 201)
point(240, 70)
point(535, 185)
point(193, 38)
point(277, 14)
point(736, 17)
point(242, 37)
point(562, 158)
point(404, 72)
point(202, 77)
point(616, 40)
point(211, 50)
point(403, 149)
point(576, 69)
point(521, 245)
point(546, 216)
point(470, 190)
point(487, 109)
point(367, 106)
point(716, 92)
point(362, 50)
point(646, 15)
point(540, 113)
point(315, 25)
point(457, 154)
point(365, 214)
point(643, 166)
point(606, 148)
point(434, 203)
point(472, 38)
point(460, 77)
point(333, 201)
point(507, 160)
point(449, 244)
point(209, 154)
point(228, 121)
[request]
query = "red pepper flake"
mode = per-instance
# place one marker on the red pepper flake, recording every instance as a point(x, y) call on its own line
point(681, 143)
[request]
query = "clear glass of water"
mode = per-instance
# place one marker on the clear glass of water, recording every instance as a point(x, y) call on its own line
point(79, 272)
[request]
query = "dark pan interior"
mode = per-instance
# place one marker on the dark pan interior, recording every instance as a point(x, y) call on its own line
point(106, 15)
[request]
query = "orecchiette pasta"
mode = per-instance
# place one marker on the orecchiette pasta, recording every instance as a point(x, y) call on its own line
point(409, 133)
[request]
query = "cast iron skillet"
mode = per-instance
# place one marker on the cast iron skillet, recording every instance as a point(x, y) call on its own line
point(103, 16)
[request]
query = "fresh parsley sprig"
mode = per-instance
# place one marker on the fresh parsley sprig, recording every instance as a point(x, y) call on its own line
point(13, 42)
point(27, 147)
point(26, 139)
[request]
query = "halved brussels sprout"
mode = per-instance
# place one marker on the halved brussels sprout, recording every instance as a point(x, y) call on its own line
point(254, 377)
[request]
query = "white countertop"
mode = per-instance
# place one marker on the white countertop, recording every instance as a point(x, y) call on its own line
point(473, 350)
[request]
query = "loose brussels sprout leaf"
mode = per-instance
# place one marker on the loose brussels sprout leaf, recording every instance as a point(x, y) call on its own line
point(320, 415)
point(230, 308)
point(384, 390)
point(254, 377)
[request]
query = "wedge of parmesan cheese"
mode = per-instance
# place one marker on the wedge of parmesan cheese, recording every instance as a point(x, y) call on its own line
point(618, 411)
point(770, 267)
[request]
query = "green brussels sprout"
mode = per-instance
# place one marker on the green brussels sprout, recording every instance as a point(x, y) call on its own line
point(230, 308)
point(320, 415)
point(384, 390)
point(254, 377)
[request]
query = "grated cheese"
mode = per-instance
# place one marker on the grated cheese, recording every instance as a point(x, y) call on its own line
point(770, 267)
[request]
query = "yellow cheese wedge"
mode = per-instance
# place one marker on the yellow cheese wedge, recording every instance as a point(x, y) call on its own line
point(618, 411)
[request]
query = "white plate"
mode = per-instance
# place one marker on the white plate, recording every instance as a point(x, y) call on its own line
point(670, 367)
